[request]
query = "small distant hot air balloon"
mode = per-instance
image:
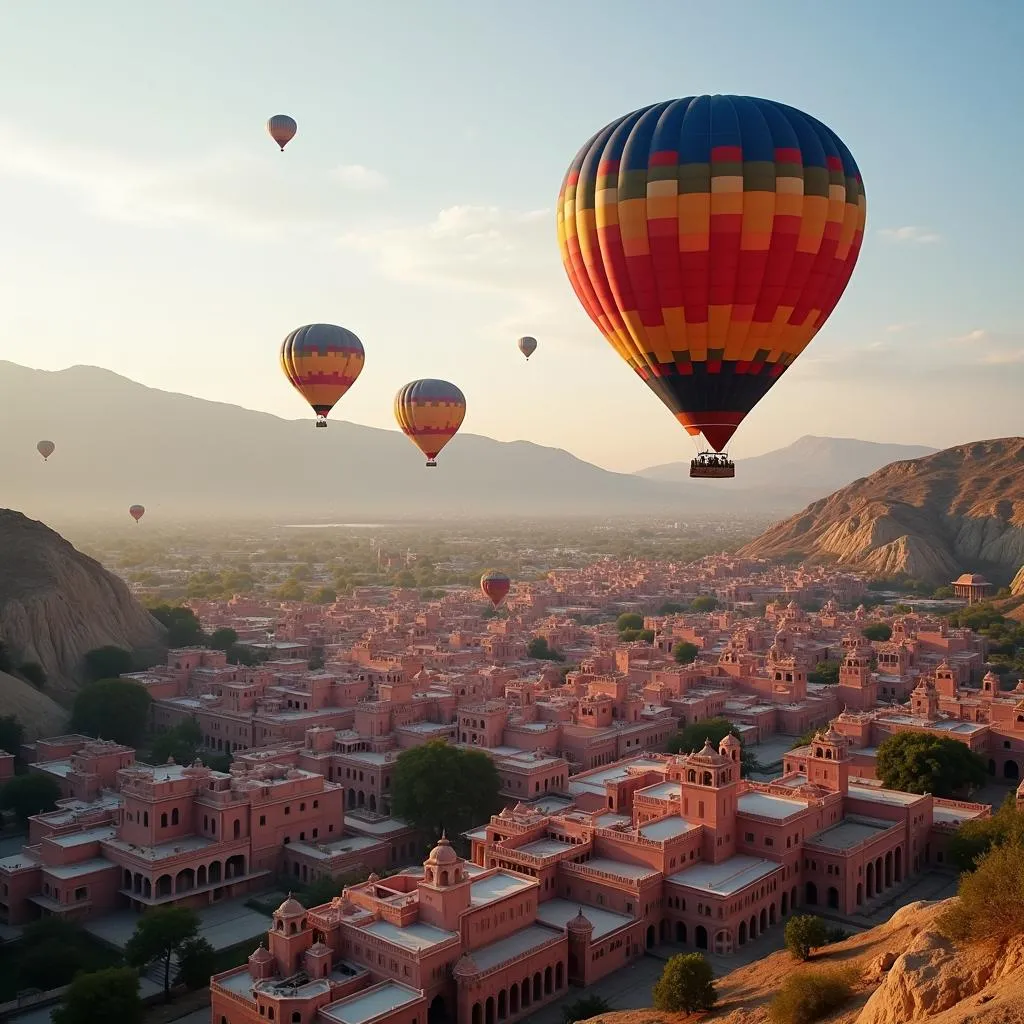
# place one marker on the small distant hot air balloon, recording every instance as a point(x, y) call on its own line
point(527, 346)
point(282, 129)
point(709, 238)
point(137, 512)
point(495, 586)
point(322, 361)
point(46, 449)
point(430, 413)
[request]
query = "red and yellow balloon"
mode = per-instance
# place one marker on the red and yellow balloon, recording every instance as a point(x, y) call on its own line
point(430, 413)
point(322, 361)
point(709, 238)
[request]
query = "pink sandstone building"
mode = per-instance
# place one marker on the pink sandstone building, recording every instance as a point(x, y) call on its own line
point(653, 848)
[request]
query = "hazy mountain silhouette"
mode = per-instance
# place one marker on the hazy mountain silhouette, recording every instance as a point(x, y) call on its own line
point(120, 442)
point(809, 468)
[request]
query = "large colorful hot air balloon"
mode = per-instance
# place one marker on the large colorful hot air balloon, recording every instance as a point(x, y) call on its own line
point(709, 238)
point(495, 586)
point(137, 512)
point(527, 346)
point(282, 129)
point(46, 449)
point(322, 361)
point(430, 413)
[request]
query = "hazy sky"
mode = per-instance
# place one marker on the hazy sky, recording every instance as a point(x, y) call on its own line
point(150, 225)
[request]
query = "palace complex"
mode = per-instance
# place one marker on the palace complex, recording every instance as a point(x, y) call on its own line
point(605, 846)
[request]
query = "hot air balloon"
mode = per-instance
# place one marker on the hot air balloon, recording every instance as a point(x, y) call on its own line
point(282, 129)
point(137, 512)
point(430, 413)
point(709, 238)
point(322, 361)
point(46, 449)
point(495, 586)
point(527, 346)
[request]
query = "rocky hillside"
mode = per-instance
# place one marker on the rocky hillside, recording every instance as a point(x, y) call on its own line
point(56, 604)
point(932, 518)
point(40, 715)
point(907, 973)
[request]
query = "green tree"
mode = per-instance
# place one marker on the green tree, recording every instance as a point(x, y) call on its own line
point(538, 648)
point(29, 794)
point(918, 762)
point(684, 652)
point(197, 960)
point(112, 709)
point(687, 983)
point(691, 737)
point(974, 838)
point(671, 608)
point(160, 934)
point(33, 672)
point(223, 639)
point(325, 595)
point(629, 635)
point(183, 628)
point(291, 590)
point(825, 672)
point(629, 620)
point(877, 631)
point(804, 934)
point(107, 663)
point(990, 907)
point(12, 735)
point(183, 742)
point(584, 1008)
point(108, 995)
point(439, 787)
point(704, 604)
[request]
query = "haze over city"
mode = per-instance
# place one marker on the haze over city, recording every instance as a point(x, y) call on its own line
point(151, 229)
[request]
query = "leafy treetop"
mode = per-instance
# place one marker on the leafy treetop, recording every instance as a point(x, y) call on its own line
point(917, 762)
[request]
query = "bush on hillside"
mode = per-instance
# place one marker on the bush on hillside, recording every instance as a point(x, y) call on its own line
point(810, 996)
point(804, 934)
point(687, 983)
point(973, 839)
point(990, 907)
point(584, 1009)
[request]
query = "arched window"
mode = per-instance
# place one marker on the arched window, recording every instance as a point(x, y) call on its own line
point(174, 816)
point(163, 820)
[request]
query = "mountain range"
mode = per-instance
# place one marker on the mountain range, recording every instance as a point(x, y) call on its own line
point(959, 510)
point(120, 442)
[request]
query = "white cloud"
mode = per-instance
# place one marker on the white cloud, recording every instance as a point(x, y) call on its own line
point(920, 236)
point(1004, 357)
point(227, 190)
point(359, 178)
point(975, 337)
point(898, 328)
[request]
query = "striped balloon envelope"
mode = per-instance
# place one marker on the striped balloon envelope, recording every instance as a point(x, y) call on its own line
point(322, 361)
point(430, 413)
point(709, 238)
point(282, 129)
point(495, 586)
point(527, 346)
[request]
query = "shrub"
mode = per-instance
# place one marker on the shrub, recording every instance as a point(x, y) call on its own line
point(805, 933)
point(686, 984)
point(990, 907)
point(582, 1009)
point(810, 995)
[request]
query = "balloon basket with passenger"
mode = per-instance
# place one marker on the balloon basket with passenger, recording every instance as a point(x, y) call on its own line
point(712, 466)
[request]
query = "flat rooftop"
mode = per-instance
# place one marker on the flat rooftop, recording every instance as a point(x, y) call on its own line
point(877, 795)
point(593, 782)
point(620, 868)
point(662, 791)
point(545, 847)
point(846, 834)
point(558, 913)
point(767, 806)
point(83, 867)
point(667, 828)
point(515, 945)
point(496, 887)
point(955, 815)
point(726, 878)
point(371, 1003)
point(415, 937)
